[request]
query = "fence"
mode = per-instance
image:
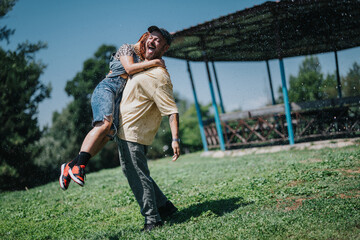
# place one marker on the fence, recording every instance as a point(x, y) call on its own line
point(318, 119)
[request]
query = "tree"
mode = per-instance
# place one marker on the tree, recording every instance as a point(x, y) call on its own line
point(351, 83)
point(5, 7)
point(328, 87)
point(310, 84)
point(306, 87)
point(20, 94)
point(161, 146)
point(189, 128)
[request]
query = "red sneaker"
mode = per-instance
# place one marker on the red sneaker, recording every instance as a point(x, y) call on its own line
point(77, 173)
point(65, 178)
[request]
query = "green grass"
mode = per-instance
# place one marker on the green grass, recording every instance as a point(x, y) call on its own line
point(308, 194)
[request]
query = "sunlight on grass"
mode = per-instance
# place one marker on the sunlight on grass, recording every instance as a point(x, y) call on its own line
point(308, 194)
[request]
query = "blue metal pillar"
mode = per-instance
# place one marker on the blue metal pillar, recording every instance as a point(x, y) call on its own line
point(218, 88)
point(270, 81)
point(217, 117)
point(198, 112)
point(286, 103)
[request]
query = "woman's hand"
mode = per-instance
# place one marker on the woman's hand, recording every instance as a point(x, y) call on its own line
point(158, 63)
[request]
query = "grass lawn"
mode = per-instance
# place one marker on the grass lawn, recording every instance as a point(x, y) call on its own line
point(296, 194)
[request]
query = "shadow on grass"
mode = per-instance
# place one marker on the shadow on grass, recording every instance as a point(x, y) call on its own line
point(211, 208)
point(208, 208)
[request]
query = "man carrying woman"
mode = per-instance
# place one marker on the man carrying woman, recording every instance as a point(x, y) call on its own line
point(105, 100)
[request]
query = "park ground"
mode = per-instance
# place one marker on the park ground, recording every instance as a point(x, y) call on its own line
point(284, 192)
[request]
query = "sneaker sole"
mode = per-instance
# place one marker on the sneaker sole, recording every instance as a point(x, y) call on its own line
point(62, 174)
point(75, 178)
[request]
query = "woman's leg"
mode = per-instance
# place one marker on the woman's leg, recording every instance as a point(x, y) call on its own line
point(104, 97)
point(96, 139)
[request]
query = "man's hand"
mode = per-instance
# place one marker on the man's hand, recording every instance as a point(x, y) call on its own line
point(174, 126)
point(176, 148)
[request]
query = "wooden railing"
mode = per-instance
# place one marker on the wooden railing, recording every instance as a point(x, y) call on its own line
point(318, 119)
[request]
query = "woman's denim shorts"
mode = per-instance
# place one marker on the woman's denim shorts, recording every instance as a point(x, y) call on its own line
point(105, 100)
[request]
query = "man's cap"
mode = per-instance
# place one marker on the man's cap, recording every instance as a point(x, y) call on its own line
point(163, 32)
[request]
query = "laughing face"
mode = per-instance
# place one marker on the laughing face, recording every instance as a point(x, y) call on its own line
point(156, 46)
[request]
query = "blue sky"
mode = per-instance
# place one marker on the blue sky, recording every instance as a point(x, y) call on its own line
point(74, 29)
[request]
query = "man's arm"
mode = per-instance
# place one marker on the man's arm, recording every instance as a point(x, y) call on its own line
point(174, 126)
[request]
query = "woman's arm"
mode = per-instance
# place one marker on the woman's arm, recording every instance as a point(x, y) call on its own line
point(132, 68)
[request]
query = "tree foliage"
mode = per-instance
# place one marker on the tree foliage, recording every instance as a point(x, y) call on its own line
point(20, 94)
point(310, 83)
point(351, 83)
point(161, 146)
point(5, 7)
point(189, 131)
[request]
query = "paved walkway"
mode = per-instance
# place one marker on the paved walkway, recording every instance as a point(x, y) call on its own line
point(333, 143)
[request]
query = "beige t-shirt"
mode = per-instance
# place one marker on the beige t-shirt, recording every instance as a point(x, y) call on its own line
point(146, 98)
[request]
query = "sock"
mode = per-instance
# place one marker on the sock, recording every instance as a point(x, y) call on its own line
point(74, 161)
point(83, 158)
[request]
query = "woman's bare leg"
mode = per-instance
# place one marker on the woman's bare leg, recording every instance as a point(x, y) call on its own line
point(96, 139)
point(97, 149)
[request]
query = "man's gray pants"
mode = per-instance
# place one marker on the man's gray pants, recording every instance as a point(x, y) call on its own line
point(135, 168)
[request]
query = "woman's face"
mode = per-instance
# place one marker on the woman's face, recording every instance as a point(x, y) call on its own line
point(156, 46)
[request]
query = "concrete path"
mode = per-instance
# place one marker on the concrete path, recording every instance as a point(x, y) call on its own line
point(333, 143)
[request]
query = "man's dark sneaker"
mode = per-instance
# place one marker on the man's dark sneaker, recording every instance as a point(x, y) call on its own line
point(167, 210)
point(65, 178)
point(151, 226)
point(77, 174)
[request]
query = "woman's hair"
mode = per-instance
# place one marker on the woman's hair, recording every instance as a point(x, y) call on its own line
point(142, 41)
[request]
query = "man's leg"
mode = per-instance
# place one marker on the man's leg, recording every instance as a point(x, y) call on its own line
point(134, 165)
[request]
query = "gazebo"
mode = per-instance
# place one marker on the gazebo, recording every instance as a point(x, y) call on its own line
point(272, 30)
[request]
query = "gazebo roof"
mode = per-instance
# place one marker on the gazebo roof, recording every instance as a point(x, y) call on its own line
point(272, 30)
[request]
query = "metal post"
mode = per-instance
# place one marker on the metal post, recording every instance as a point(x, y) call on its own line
point(338, 75)
point(286, 103)
point(270, 81)
point(218, 88)
point(198, 112)
point(217, 118)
